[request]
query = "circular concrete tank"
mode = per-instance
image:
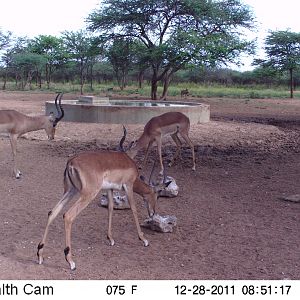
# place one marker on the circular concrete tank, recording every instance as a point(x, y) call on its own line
point(89, 109)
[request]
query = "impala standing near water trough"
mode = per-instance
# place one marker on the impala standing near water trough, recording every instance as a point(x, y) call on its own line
point(85, 175)
point(15, 124)
point(170, 123)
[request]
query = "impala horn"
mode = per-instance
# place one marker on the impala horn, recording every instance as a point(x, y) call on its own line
point(121, 148)
point(60, 110)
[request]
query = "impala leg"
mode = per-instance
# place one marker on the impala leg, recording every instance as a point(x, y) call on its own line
point(110, 212)
point(69, 218)
point(13, 143)
point(147, 154)
point(51, 216)
point(178, 144)
point(159, 145)
point(189, 142)
point(131, 201)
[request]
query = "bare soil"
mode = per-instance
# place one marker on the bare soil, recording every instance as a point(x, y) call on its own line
point(231, 221)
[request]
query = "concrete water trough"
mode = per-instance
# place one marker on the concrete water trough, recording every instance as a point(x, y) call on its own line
point(90, 109)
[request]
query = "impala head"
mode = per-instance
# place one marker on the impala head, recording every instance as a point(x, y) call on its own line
point(150, 202)
point(157, 187)
point(151, 199)
point(134, 146)
point(52, 120)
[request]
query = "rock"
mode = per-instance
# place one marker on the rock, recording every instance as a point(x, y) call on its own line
point(171, 190)
point(120, 201)
point(160, 223)
point(292, 198)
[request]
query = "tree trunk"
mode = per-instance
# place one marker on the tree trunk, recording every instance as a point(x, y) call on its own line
point(154, 83)
point(141, 78)
point(167, 81)
point(47, 76)
point(40, 80)
point(291, 83)
point(154, 90)
point(29, 80)
point(5, 81)
point(91, 75)
point(81, 77)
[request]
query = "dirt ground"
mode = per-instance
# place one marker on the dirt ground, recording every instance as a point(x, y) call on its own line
point(232, 223)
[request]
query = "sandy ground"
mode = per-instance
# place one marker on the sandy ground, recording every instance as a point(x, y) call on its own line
point(231, 221)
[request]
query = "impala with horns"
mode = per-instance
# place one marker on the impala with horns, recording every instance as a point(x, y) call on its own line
point(88, 173)
point(170, 123)
point(15, 124)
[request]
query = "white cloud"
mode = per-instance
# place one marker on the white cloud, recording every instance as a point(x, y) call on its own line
point(34, 17)
point(271, 15)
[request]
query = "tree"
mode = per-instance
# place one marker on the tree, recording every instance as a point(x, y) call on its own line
point(120, 56)
point(283, 54)
point(5, 39)
point(175, 33)
point(8, 58)
point(51, 48)
point(26, 65)
point(83, 48)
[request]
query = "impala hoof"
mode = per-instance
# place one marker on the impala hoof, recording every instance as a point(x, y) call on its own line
point(41, 260)
point(194, 168)
point(146, 243)
point(18, 175)
point(72, 266)
point(112, 242)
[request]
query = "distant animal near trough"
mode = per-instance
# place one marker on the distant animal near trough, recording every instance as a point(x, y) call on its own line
point(184, 93)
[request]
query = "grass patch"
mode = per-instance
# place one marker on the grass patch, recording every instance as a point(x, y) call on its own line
point(195, 90)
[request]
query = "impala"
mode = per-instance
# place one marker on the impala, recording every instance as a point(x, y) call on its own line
point(85, 175)
point(170, 123)
point(184, 93)
point(15, 124)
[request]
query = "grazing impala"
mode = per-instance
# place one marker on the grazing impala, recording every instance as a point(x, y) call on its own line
point(170, 123)
point(85, 175)
point(16, 124)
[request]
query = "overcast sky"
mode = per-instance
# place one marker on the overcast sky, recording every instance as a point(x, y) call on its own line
point(51, 17)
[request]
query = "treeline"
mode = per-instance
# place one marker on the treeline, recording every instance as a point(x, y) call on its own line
point(154, 43)
point(229, 77)
point(133, 39)
point(79, 58)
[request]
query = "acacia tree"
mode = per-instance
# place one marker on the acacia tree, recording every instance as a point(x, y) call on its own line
point(5, 40)
point(176, 32)
point(283, 54)
point(26, 65)
point(120, 55)
point(19, 46)
point(83, 48)
point(51, 48)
